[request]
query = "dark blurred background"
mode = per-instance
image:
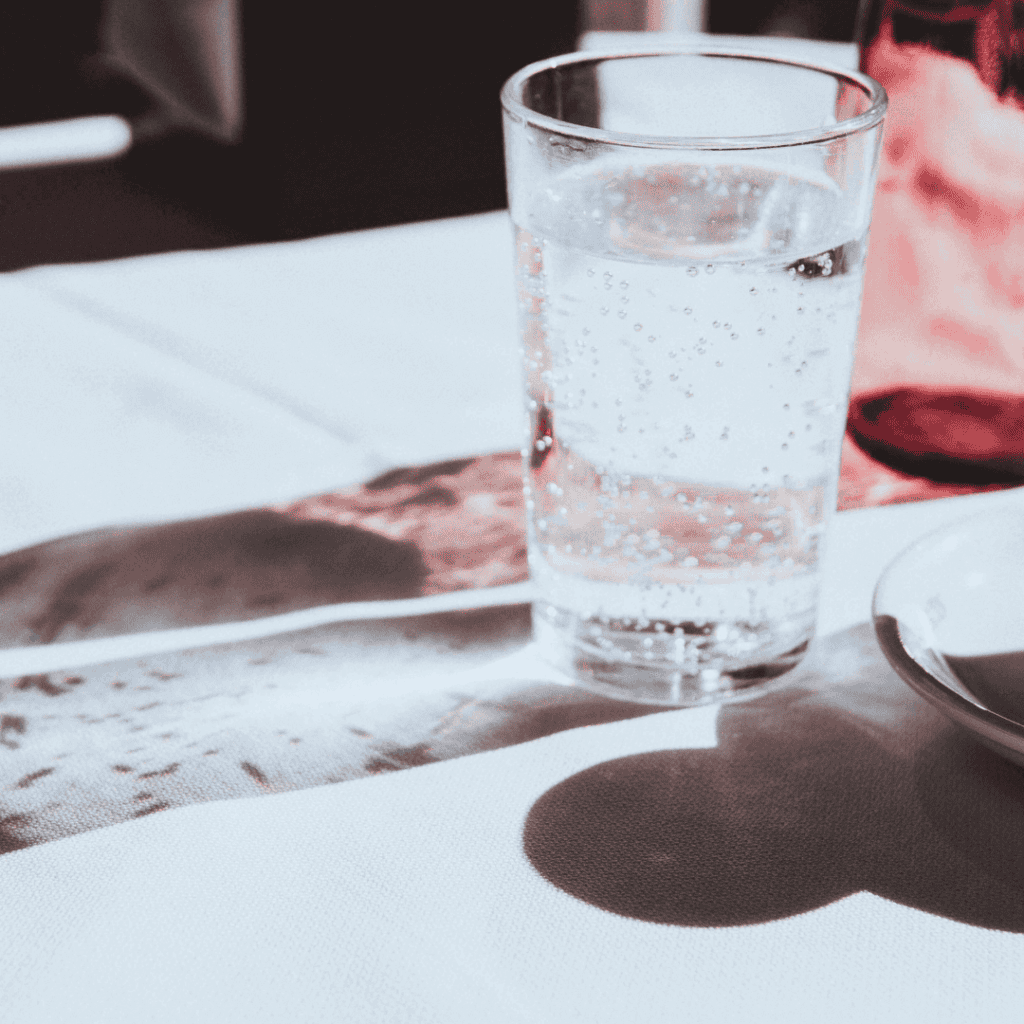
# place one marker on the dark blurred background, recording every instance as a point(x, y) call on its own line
point(356, 116)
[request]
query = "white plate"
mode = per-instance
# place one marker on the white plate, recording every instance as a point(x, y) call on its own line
point(949, 616)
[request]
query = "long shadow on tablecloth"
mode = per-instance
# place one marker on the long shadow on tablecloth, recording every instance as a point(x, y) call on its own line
point(106, 744)
point(109, 743)
point(811, 795)
point(423, 530)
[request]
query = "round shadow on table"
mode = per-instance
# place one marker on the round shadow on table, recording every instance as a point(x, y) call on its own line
point(811, 795)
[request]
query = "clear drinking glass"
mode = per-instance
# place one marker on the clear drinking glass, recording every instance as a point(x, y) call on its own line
point(690, 233)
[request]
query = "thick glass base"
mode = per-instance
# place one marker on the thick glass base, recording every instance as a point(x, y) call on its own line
point(676, 664)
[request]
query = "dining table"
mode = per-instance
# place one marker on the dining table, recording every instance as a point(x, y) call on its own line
point(276, 745)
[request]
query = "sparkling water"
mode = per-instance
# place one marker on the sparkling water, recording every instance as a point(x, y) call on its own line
point(687, 333)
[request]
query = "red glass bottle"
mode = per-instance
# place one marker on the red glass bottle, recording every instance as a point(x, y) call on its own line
point(939, 383)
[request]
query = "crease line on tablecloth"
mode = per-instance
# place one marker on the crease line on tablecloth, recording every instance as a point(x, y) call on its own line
point(168, 345)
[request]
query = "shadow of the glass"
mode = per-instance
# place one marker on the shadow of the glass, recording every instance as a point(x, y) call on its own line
point(813, 793)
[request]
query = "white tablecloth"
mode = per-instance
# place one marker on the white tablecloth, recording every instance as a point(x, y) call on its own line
point(178, 385)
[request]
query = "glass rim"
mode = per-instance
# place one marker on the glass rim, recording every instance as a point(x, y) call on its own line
point(522, 114)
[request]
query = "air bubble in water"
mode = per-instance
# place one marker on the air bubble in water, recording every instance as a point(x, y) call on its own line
point(692, 271)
